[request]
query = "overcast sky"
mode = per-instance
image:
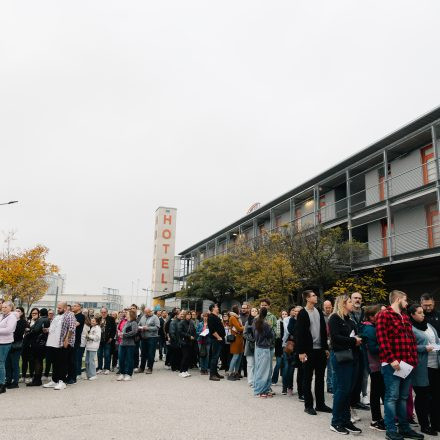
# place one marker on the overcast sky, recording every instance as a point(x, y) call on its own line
point(109, 109)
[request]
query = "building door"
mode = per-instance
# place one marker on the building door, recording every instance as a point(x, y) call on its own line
point(432, 222)
point(428, 164)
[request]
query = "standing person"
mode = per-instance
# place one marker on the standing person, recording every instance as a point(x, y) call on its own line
point(432, 316)
point(204, 344)
point(277, 371)
point(118, 339)
point(244, 316)
point(217, 334)
point(27, 358)
point(236, 347)
point(175, 341)
point(162, 345)
point(187, 333)
point(78, 351)
point(108, 333)
point(38, 344)
point(226, 352)
point(359, 398)
point(8, 323)
point(426, 403)
point(149, 329)
point(312, 347)
point(288, 357)
point(272, 321)
point(264, 339)
point(137, 339)
point(93, 339)
point(249, 347)
point(61, 340)
point(48, 353)
point(115, 345)
point(85, 332)
point(377, 387)
point(327, 309)
point(345, 347)
point(13, 358)
point(127, 346)
point(291, 328)
point(397, 343)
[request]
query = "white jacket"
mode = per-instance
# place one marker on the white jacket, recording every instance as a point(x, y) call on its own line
point(93, 338)
point(84, 334)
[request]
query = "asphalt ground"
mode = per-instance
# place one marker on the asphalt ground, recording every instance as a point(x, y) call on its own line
point(161, 406)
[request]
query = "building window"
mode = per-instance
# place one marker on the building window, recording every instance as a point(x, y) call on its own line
point(382, 181)
point(321, 213)
point(432, 222)
point(428, 164)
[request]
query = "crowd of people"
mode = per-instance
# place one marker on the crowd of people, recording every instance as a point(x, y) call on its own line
point(363, 355)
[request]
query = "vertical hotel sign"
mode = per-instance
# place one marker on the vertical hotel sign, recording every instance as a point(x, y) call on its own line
point(164, 247)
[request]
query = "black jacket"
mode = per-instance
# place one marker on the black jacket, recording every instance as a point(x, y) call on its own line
point(304, 341)
point(110, 329)
point(19, 330)
point(433, 318)
point(340, 330)
point(215, 325)
point(186, 330)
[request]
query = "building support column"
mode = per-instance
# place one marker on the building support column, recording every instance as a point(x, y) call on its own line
point(388, 208)
point(348, 191)
point(435, 147)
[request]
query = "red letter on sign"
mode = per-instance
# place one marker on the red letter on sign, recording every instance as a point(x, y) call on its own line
point(165, 263)
point(165, 247)
point(167, 218)
point(163, 280)
point(166, 233)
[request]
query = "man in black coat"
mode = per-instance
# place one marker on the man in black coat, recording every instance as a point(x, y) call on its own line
point(432, 316)
point(108, 333)
point(312, 348)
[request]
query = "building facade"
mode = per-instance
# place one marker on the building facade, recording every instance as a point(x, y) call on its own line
point(386, 196)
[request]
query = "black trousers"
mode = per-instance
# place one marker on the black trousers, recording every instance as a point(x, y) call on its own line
point(60, 362)
point(377, 392)
point(186, 357)
point(175, 357)
point(225, 357)
point(422, 405)
point(300, 378)
point(357, 389)
point(49, 361)
point(27, 360)
point(434, 404)
point(316, 364)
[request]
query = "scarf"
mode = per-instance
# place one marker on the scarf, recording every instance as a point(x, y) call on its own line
point(423, 326)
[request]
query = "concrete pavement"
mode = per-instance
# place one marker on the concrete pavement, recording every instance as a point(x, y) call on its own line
point(161, 406)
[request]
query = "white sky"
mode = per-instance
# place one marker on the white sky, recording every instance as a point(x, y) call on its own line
point(109, 109)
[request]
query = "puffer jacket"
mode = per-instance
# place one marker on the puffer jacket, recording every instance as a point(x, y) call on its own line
point(93, 338)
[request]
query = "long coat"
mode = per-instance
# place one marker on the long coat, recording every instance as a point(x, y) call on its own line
point(237, 346)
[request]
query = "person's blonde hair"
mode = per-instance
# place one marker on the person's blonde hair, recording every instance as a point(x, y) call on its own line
point(340, 302)
point(10, 304)
point(394, 294)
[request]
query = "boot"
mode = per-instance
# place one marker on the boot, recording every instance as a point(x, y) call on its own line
point(2, 388)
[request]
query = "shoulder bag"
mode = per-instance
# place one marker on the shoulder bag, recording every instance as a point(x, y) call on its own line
point(344, 355)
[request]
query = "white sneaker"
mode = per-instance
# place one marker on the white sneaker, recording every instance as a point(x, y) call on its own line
point(136, 370)
point(28, 380)
point(127, 378)
point(365, 400)
point(50, 384)
point(182, 375)
point(120, 377)
point(106, 372)
point(93, 378)
point(60, 385)
point(167, 367)
point(100, 372)
point(187, 374)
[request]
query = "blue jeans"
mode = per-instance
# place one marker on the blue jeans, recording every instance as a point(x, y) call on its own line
point(104, 355)
point(234, 364)
point(90, 364)
point(4, 350)
point(148, 352)
point(204, 361)
point(216, 349)
point(288, 371)
point(329, 374)
point(396, 395)
point(126, 359)
point(276, 370)
point(344, 380)
point(262, 370)
point(79, 352)
point(13, 366)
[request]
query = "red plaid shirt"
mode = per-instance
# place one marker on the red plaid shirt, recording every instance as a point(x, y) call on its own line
point(396, 338)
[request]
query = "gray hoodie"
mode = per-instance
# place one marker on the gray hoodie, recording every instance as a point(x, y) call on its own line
point(152, 323)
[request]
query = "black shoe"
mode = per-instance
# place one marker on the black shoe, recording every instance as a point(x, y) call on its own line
point(429, 431)
point(378, 426)
point(2, 388)
point(233, 378)
point(310, 411)
point(11, 386)
point(393, 436)
point(411, 434)
point(217, 379)
point(220, 376)
point(325, 409)
point(301, 398)
point(361, 406)
point(352, 429)
point(70, 382)
point(412, 422)
point(339, 429)
point(33, 384)
point(284, 392)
